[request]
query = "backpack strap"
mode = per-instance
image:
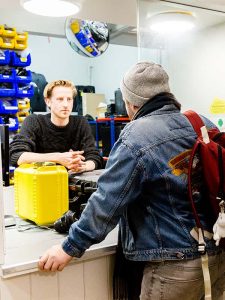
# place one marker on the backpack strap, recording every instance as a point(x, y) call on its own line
point(199, 126)
point(195, 121)
point(221, 173)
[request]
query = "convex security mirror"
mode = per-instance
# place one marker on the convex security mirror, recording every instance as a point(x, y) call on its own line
point(88, 38)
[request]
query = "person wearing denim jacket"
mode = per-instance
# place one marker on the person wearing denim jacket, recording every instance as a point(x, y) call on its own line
point(144, 189)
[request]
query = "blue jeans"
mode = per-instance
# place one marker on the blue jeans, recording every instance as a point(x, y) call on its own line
point(182, 280)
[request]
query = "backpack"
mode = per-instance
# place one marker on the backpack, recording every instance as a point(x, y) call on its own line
point(207, 166)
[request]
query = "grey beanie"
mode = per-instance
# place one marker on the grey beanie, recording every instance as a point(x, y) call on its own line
point(143, 81)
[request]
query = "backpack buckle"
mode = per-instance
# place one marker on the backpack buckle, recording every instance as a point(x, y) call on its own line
point(201, 248)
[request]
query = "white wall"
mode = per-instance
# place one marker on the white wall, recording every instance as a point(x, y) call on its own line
point(54, 58)
point(197, 68)
point(195, 63)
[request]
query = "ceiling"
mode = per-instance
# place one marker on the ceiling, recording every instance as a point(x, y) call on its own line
point(214, 5)
point(110, 11)
point(121, 16)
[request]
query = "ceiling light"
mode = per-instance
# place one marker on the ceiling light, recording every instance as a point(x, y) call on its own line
point(51, 8)
point(172, 22)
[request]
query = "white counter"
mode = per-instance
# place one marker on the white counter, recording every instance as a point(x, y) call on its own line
point(87, 278)
point(23, 248)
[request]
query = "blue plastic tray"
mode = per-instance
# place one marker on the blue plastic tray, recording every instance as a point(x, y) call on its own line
point(8, 78)
point(17, 61)
point(4, 60)
point(8, 92)
point(21, 92)
point(8, 106)
point(13, 124)
point(24, 79)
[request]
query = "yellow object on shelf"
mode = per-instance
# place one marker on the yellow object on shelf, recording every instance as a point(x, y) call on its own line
point(21, 115)
point(8, 43)
point(20, 44)
point(8, 32)
point(24, 103)
point(1, 29)
point(21, 119)
point(41, 192)
point(21, 36)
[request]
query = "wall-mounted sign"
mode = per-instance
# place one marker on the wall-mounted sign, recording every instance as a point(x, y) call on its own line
point(217, 106)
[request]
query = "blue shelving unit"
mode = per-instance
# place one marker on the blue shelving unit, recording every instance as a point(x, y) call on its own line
point(14, 86)
point(112, 122)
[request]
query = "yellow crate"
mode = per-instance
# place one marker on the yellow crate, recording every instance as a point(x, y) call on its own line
point(20, 45)
point(21, 36)
point(8, 32)
point(24, 103)
point(8, 43)
point(41, 192)
point(1, 29)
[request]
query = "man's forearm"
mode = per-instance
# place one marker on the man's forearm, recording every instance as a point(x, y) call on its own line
point(30, 157)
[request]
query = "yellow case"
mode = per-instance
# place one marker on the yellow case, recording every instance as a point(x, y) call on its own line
point(41, 192)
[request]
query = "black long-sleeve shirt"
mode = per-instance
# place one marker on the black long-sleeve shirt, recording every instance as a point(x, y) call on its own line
point(38, 134)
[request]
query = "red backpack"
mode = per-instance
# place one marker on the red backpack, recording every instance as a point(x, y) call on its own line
point(208, 154)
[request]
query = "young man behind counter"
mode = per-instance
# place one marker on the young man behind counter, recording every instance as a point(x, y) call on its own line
point(57, 137)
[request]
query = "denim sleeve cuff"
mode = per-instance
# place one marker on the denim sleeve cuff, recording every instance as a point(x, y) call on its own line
point(71, 249)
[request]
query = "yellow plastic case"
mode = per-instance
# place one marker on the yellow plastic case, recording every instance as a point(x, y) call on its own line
point(41, 192)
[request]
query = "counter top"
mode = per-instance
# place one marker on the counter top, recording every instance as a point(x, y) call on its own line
point(25, 243)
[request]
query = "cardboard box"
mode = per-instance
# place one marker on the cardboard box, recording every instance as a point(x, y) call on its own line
point(90, 103)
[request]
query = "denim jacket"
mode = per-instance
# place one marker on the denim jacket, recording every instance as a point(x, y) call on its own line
point(144, 187)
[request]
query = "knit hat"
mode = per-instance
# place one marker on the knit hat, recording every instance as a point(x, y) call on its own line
point(143, 81)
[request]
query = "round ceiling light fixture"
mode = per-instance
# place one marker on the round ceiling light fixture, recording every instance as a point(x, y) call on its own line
point(172, 22)
point(51, 8)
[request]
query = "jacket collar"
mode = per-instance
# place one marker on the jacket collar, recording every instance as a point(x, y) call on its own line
point(156, 103)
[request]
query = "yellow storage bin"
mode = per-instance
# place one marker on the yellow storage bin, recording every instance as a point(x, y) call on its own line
point(9, 31)
point(21, 115)
point(20, 44)
point(41, 192)
point(8, 43)
point(24, 103)
point(1, 29)
point(21, 36)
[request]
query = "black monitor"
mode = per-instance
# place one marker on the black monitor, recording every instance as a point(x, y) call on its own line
point(120, 109)
point(4, 137)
